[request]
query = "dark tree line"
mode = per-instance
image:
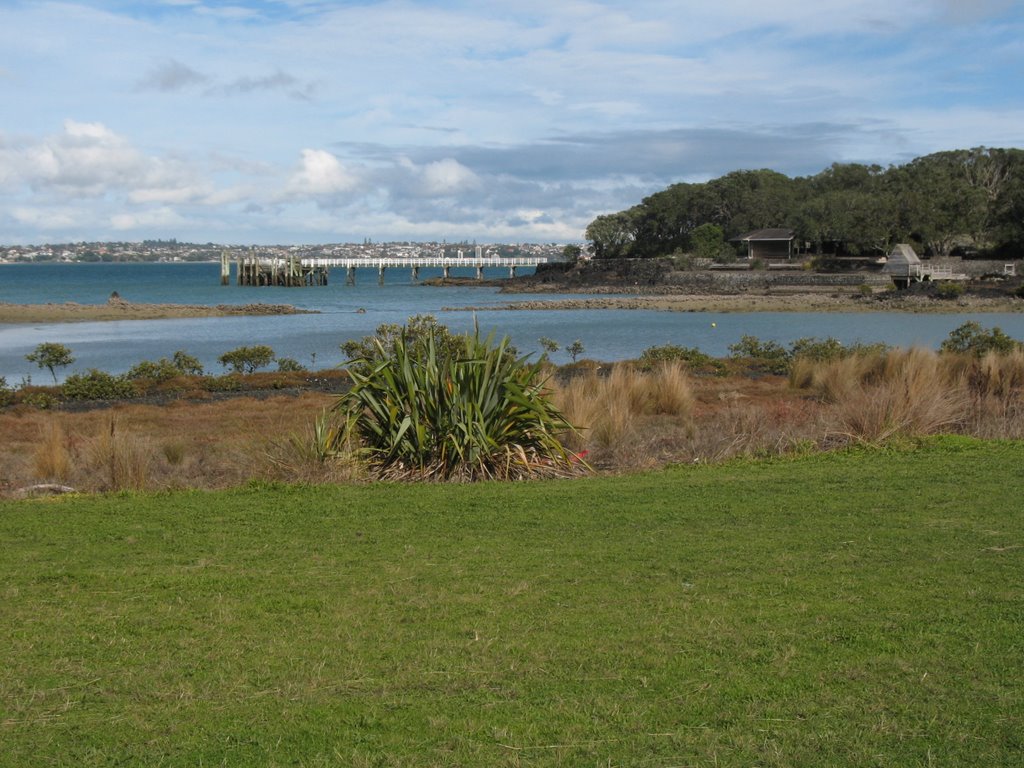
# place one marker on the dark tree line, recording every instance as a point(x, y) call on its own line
point(969, 198)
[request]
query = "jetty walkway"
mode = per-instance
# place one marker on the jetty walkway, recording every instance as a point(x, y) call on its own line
point(253, 269)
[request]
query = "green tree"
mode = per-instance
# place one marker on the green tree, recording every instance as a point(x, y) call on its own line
point(709, 243)
point(247, 359)
point(571, 253)
point(612, 235)
point(550, 346)
point(575, 349)
point(51, 356)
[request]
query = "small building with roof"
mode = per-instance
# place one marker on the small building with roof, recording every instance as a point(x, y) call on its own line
point(768, 244)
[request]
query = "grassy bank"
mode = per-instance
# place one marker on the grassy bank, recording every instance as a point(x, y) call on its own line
point(861, 608)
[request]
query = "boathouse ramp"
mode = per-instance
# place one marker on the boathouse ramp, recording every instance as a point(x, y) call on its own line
point(904, 266)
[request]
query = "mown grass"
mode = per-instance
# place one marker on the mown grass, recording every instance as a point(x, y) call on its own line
point(857, 608)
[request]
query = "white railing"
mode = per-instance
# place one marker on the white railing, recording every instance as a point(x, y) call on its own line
point(423, 261)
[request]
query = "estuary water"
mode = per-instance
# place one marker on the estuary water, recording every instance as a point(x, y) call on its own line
point(314, 340)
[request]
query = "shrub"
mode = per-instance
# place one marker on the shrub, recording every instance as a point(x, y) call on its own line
point(422, 413)
point(97, 385)
point(181, 364)
point(971, 337)
point(187, 364)
point(289, 364)
point(949, 290)
point(814, 349)
point(161, 370)
point(231, 382)
point(372, 349)
point(6, 393)
point(769, 356)
point(247, 359)
point(39, 399)
point(693, 358)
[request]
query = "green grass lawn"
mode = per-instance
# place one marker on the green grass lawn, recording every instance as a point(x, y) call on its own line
point(857, 609)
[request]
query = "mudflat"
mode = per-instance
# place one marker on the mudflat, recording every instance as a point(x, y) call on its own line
point(119, 309)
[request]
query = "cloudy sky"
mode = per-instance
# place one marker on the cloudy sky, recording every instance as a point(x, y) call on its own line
point(306, 121)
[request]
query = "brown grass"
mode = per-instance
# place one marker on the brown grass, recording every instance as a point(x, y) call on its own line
point(614, 412)
point(51, 459)
point(629, 420)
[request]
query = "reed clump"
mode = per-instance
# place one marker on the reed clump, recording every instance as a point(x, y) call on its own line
point(615, 410)
point(118, 460)
point(912, 392)
point(51, 459)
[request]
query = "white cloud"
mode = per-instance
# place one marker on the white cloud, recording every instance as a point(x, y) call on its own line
point(320, 174)
point(158, 219)
point(447, 176)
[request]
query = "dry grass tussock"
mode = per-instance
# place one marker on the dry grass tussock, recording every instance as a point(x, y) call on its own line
point(914, 392)
point(614, 412)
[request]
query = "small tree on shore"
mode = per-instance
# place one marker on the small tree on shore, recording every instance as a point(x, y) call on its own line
point(247, 359)
point(575, 349)
point(51, 356)
point(550, 346)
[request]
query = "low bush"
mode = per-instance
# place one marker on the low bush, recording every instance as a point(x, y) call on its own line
point(949, 290)
point(695, 360)
point(6, 393)
point(973, 338)
point(811, 348)
point(160, 370)
point(768, 356)
point(97, 385)
point(231, 382)
point(369, 350)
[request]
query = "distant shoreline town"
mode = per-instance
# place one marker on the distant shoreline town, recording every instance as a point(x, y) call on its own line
point(164, 251)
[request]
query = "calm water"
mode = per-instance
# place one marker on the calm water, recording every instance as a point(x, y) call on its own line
point(606, 334)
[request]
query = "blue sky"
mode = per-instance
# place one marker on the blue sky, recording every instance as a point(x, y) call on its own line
point(305, 121)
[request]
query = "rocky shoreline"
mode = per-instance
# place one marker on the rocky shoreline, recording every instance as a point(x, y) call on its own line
point(797, 302)
point(119, 309)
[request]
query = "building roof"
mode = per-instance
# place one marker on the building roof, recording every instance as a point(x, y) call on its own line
point(901, 260)
point(759, 235)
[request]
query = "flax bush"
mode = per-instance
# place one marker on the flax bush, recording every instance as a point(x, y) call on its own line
point(422, 408)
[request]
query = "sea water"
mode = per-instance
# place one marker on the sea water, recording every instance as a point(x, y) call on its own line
point(348, 312)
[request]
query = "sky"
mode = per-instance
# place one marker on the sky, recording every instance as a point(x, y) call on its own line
point(307, 121)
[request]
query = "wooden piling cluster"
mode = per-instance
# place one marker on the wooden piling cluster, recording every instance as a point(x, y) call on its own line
point(289, 272)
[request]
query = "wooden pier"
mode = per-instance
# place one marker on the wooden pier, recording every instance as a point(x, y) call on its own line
point(292, 271)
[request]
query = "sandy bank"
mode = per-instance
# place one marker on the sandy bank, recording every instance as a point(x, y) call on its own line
point(118, 309)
